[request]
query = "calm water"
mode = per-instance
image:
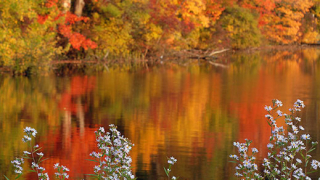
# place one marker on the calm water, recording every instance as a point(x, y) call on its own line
point(193, 112)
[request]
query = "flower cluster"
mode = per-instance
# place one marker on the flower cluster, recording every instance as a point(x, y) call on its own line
point(29, 133)
point(33, 154)
point(113, 157)
point(248, 167)
point(17, 165)
point(285, 148)
point(62, 171)
point(171, 162)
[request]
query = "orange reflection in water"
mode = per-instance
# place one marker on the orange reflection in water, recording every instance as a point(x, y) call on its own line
point(72, 144)
point(286, 79)
point(70, 151)
point(71, 103)
point(189, 113)
point(179, 116)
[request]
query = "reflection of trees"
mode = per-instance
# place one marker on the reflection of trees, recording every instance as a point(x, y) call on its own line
point(73, 153)
point(193, 113)
point(71, 103)
point(284, 75)
point(33, 102)
point(23, 101)
point(171, 111)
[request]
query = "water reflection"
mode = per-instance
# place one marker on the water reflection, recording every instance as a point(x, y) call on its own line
point(193, 113)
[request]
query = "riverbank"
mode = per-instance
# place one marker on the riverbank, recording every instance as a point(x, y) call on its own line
point(214, 57)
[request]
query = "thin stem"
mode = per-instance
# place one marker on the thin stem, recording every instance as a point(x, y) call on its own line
point(305, 168)
point(33, 158)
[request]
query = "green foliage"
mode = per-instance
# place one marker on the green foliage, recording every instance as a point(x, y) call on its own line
point(24, 42)
point(242, 27)
point(112, 10)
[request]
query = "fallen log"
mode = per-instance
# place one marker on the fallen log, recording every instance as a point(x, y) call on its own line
point(206, 55)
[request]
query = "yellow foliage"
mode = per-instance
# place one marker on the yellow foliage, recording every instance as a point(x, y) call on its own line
point(311, 37)
point(112, 36)
point(153, 34)
point(195, 11)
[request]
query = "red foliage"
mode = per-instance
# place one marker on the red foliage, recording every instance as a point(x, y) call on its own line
point(187, 26)
point(164, 16)
point(51, 3)
point(89, 44)
point(76, 39)
point(42, 19)
point(65, 30)
point(72, 18)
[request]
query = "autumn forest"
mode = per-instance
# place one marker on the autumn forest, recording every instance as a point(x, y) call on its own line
point(34, 33)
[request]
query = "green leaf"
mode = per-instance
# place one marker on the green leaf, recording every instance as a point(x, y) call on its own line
point(18, 176)
point(36, 150)
point(6, 177)
point(302, 155)
point(92, 160)
point(43, 160)
point(311, 150)
point(311, 172)
point(165, 170)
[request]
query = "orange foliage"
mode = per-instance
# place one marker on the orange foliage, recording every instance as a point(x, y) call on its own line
point(214, 10)
point(284, 25)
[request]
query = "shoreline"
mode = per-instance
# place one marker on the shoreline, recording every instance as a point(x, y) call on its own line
point(70, 66)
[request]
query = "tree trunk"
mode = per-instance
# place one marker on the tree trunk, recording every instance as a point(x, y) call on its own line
point(66, 4)
point(79, 7)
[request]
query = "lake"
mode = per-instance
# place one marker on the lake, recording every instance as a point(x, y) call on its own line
point(193, 111)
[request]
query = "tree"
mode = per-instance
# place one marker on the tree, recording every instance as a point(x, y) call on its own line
point(242, 27)
point(284, 24)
